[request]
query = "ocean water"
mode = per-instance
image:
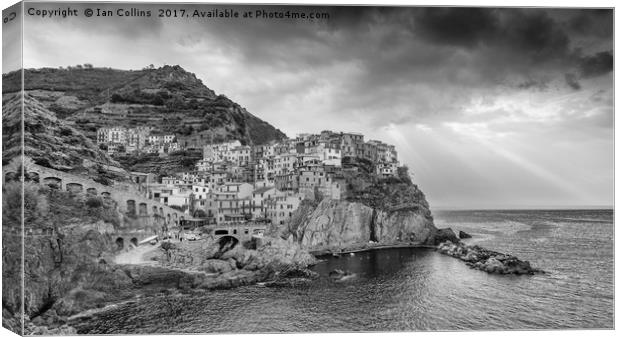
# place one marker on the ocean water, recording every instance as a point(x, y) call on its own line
point(409, 289)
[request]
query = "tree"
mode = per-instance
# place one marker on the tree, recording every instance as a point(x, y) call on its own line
point(116, 98)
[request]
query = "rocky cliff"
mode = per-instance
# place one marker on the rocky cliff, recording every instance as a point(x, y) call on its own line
point(383, 212)
point(65, 268)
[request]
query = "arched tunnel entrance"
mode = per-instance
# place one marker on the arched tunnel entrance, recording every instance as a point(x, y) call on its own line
point(53, 182)
point(120, 243)
point(134, 242)
point(227, 242)
point(32, 176)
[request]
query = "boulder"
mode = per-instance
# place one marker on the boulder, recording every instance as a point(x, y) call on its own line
point(443, 235)
point(336, 274)
point(463, 235)
point(340, 275)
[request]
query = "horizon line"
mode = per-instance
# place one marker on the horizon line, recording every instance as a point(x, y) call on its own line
point(523, 207)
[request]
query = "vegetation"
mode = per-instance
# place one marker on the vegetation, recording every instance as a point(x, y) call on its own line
point(47, 207)
point(85, 83)
point(35, 208)
point(166, 245)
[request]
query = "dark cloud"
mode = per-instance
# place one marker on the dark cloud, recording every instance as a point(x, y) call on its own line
point(572, 81)
point(512, 77)
point(596, 65)
point(597, 22)
point(535, 34)
point(420, 62)
point(457, 26)
point(529, 32)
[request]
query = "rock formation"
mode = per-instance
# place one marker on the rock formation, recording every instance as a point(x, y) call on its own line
point(463, 235)
point(375, 212)
point(213, 269)
point(486, 260)
point(342, 224)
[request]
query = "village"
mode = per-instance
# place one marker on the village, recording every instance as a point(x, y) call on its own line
point(234, 183)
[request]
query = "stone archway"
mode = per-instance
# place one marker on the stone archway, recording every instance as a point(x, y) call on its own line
point(32, 176)
point(53, 182)
point(75, 187)
point(134, 242)
point(120, 243)
point(227, 242)
point(11, 176)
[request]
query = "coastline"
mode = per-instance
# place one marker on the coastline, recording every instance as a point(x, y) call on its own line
point(330, 252)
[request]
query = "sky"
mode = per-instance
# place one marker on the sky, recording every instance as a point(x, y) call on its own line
point(489, 107)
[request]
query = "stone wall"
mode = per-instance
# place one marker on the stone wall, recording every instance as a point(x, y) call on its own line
point(124, 194)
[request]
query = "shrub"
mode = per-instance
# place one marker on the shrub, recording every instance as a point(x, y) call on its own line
point(167, 246)
point(102, 180)
point(116, 98)
point(35, 204)
point(94, 202)
point(403, 174)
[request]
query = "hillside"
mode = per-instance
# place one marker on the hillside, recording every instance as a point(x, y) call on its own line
point(168, 98)
point(52, 143)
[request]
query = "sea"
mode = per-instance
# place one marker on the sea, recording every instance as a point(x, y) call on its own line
point(415, 289)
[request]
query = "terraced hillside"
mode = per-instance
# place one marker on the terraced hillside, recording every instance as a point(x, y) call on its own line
point(51, 142)
point(168, 98)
